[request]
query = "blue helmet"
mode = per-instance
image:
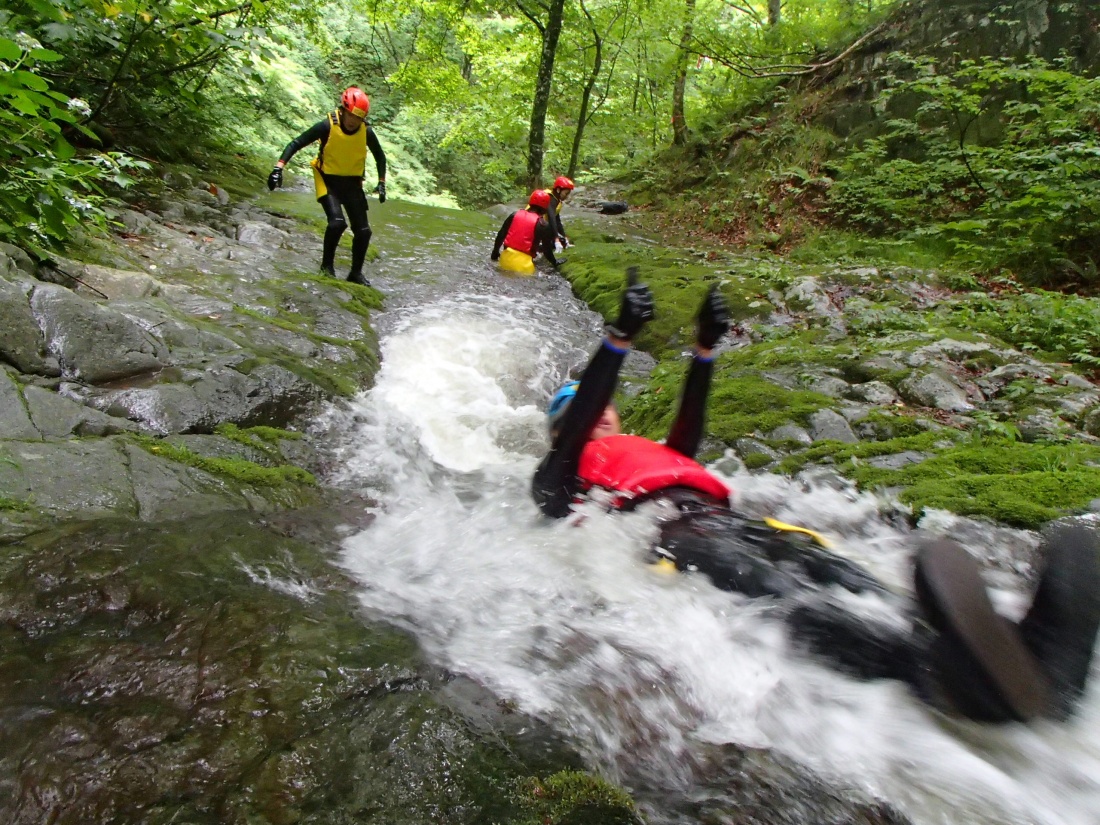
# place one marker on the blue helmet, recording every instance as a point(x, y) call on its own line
point(559, 402)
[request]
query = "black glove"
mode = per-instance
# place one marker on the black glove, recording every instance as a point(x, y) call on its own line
point(713, 320)
point(635, 310)
point(494, 256)
point(381, 191)
point(275, 179)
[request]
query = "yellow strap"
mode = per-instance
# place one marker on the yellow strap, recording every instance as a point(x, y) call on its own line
point(791, 528)
point(665, 565)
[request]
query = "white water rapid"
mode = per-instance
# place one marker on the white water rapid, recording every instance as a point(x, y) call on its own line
point(644, 669)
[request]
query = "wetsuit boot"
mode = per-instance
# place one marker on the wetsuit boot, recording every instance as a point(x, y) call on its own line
point(328, 269)
point(356, 277)
point(977, 658)
point(1061, 625)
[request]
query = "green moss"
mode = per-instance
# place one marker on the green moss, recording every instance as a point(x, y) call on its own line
point(265, 439)
point(678, 281)
point(794, 349)
point(754, 461)
point(362, 300)
point(1022, 485)
point(235, 469)
point(742, 405)
point(576, 798)
point(847, 456)
point(14, 505)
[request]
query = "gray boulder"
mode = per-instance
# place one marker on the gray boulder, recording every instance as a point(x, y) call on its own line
point(258, 233)
point(270, 395)
point(791, 432)
point(93, 343)
point(937, 390)
point(829, 425)
point(55, 416)
point(21, 341)
point(15, 422)
point(874, 392)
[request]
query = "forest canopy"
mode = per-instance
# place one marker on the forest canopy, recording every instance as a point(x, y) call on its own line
point(479, 101)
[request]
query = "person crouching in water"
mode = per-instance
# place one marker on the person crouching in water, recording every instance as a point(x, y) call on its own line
point(956, 652)
point(338, 172)
point(523, 234)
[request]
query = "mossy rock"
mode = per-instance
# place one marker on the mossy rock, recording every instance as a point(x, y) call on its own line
point(1023, 485)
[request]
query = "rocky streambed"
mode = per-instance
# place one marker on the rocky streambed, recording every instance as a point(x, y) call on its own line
point(178, 644)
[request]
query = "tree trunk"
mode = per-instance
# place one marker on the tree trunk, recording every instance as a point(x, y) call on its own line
point(775, 11)
point(536, 139)
point(586, 95)
point(679, 124)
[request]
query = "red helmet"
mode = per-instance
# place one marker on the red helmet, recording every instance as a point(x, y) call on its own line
point(355, 101)
point(541, 198)
point(563, 183)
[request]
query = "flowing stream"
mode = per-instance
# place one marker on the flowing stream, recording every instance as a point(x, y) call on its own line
point(650, 674)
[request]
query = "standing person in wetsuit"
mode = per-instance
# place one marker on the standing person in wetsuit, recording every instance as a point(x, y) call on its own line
point(959, 652)
point(560, 191)
point(338, 172)
point(523, 234)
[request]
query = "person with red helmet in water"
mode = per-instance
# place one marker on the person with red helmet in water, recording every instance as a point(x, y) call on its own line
point(338, 172)
point(524, 234)
point(559, 192)
point(944, 639)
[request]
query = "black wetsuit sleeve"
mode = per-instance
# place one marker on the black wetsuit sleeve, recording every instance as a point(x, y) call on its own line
point(687, 430)
point(555, 484)
point(544, 234)
point(502, 234)
point(318, 131)
point(376, 150)
point(555, 219)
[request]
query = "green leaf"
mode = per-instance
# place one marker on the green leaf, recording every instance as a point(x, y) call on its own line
point(9, 50)
point(63, 149)
point(32, 81)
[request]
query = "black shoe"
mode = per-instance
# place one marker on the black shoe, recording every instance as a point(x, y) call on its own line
point(328, 269)
point(357, 278)
point(981, 660)
point(1061, 626)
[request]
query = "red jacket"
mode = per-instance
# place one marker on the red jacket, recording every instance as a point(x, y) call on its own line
point(636, 466)
point(521, 234)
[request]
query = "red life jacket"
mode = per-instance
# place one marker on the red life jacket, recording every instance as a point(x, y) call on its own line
point(521, 234)
point(636, 466)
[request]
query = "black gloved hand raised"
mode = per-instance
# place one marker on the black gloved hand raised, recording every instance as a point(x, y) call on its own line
point(381, 191)
point(713, 320)
point(635, 309)
point(275, 179)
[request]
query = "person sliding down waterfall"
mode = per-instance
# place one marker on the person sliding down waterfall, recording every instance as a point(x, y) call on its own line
point(523, 234)
point(952, 648)
point(338, 173)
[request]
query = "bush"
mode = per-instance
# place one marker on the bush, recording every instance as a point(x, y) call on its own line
point(1025, 200)
point(46, 190)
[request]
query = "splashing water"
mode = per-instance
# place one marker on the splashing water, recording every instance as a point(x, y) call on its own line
point(643, 669)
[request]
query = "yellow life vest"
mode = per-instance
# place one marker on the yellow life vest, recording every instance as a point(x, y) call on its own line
point(343, 154)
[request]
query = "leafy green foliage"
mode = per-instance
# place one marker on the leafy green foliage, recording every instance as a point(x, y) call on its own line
point(46, 190)
point(1063, 327)
point(998, 158)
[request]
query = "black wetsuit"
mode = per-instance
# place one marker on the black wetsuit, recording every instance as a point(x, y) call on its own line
point(343, 191)
point(544, 238)
point(554, 214)
point(918, 645)
point(738, 554)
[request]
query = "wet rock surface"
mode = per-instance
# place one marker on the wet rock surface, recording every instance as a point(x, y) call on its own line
point(205, 314)
point(217, 670)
